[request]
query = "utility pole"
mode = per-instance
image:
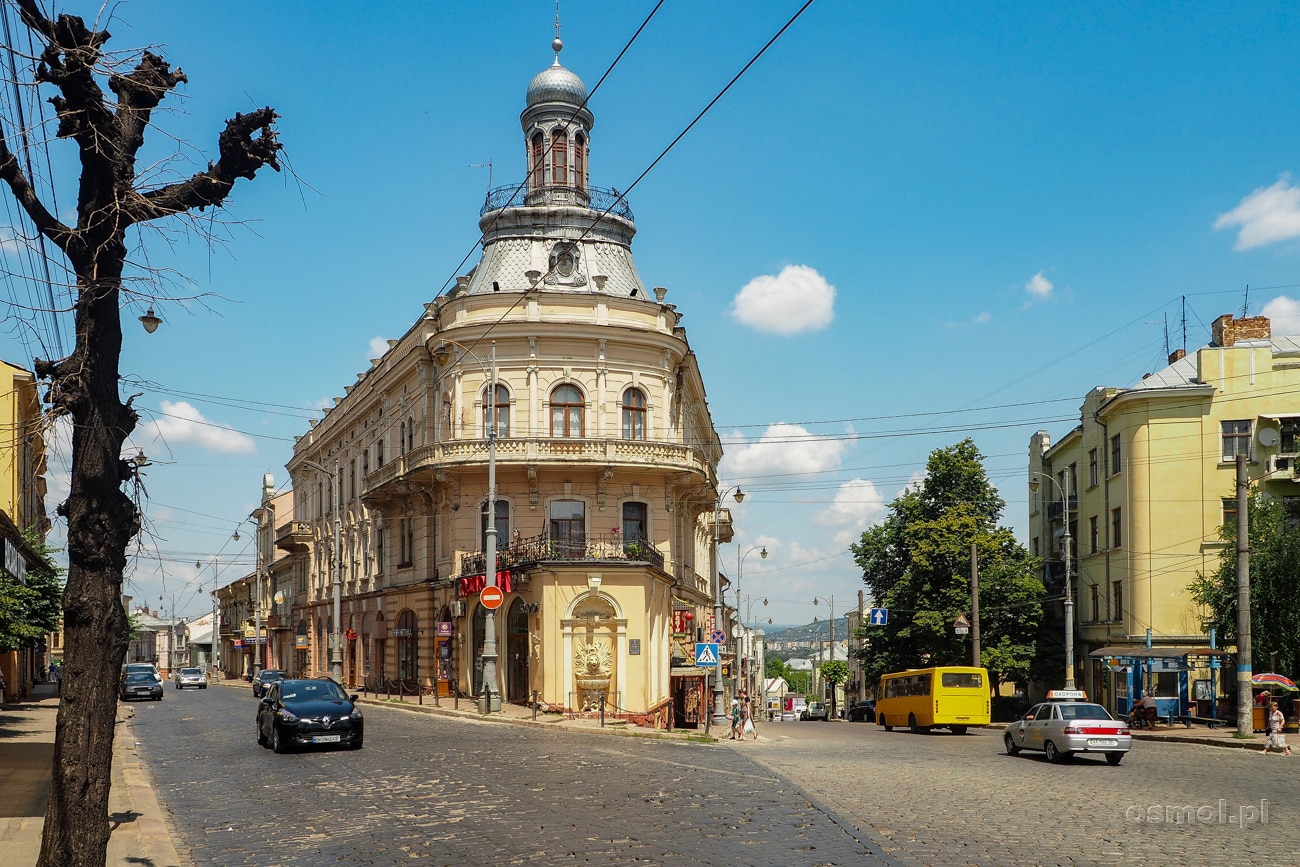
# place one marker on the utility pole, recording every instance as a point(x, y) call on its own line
point(1245, 725)
point(974, 606)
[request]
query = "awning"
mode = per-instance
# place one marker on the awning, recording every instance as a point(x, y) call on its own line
point(1138, 652)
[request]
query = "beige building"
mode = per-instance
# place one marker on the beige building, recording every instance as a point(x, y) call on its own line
point(1145, 482)
point(605, 459)
point(22, 509)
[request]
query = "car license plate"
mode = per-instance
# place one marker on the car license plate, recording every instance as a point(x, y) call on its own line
point(326, 739)
point(1102, 742)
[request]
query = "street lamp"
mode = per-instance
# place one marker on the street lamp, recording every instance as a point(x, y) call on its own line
point(719, 709)
point(491, 701)
point(831, 603)
point(1065, 551)
point(257, 599)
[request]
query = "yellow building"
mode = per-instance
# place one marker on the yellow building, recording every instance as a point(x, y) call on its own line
point(605, 460)
point(1150, 475)
point(22, 508)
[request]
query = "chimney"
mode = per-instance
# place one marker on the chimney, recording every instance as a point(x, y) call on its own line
point(1177, 355)
point(1226, 331)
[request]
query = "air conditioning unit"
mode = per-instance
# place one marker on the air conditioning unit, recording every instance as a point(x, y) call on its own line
point(458, 608)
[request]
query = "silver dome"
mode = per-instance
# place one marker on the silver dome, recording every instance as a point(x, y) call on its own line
point(556, 84)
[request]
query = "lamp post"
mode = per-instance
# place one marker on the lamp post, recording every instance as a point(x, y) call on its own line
point(831, 603)
point(719, 708)
point(756, 673)
point(490, 702)
point(1065, 552)
point(336, 567)
point(746, 669)
point(257, 597)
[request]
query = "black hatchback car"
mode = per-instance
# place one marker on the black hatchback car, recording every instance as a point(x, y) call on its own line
point(305, 713)
point(863, 711)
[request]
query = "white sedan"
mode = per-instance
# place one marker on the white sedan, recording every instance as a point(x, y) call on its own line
point(191, 677)
point(1061, 727)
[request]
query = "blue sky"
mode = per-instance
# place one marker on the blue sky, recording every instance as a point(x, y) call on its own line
point(904, 225)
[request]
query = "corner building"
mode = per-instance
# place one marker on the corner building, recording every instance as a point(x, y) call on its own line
point(1150, 473)
point(605, 464)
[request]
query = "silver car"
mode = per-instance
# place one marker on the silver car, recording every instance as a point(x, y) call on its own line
point(191, 677)
point(1061, 728)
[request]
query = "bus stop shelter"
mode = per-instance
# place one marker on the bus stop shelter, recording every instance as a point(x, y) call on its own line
point(1198, 669)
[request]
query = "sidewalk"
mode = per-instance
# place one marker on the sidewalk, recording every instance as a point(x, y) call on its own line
point(141, 833)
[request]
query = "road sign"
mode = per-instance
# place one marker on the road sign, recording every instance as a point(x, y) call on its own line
point(879, 616)
point(706, 655)
point(718, 636)
point(491, 597)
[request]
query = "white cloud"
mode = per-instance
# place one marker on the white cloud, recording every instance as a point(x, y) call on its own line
point(9, 242)
point(378, 346)
point(182, 423)
point(858, 503)
point(1039, 287)
point(798, 299)
point(783, 448)
point(1284, 314)
point(982, 317)
point(1267, 215)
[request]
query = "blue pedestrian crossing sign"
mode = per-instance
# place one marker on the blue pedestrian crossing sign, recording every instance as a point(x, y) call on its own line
point(879, 616)
point(706, 655)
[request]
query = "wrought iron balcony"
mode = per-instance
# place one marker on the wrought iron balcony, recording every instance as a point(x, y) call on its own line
point(542, 549)
point(1055, 508)
point(595, 198)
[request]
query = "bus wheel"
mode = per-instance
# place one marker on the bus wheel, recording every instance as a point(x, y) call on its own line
point(916, 729)
point(959, 730)
point(885, 724)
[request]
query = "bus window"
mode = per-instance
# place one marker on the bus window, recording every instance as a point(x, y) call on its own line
point(962, 680)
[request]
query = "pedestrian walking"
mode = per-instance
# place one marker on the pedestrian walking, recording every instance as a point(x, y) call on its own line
point(1274, 725)
point(747, 717)
point(735, 719)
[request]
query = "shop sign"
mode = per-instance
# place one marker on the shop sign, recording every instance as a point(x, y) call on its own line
point(443, 629)
point(472, 585)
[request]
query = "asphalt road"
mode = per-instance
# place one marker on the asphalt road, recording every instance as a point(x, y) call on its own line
point(438, 790)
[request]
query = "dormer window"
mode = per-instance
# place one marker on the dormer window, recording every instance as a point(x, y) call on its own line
point(536, 178)
point(580, 161)
point(559, 158)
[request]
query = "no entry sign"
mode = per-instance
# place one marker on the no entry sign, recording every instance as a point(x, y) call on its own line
point(491, 597)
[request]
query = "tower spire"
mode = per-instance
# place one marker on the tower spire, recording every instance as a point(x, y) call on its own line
point(558, 44)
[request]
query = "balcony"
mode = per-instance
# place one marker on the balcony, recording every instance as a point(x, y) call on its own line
point(293, 536)
point(530, 451)
point(595, 198)
point(1055, 508)
point(524, 553)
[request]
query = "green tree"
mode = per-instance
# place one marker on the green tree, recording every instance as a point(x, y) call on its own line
point(834, 672)
point(1274, 590)
point(29, 612)
point(773, 667)
point(916, 563)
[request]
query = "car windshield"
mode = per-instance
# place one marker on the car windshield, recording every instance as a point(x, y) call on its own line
point(310, 690)
point(1084, 711)
point(191, 671)
point(270, 675)
point(139, 677)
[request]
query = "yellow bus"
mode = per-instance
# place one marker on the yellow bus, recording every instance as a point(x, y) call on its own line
point(952, 697)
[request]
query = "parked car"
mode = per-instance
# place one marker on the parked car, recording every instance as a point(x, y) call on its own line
point(1064, 725)
point(265, 678)
point(863, 711)
point(140, 685)
point(816, 710)
point(301, 713)
point(190, 677)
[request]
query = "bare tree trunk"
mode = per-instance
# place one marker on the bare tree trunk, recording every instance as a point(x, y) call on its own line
point(102, 519)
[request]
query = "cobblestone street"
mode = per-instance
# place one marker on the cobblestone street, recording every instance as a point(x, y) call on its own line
point(449, 791)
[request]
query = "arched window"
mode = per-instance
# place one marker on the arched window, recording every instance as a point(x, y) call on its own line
point(536, 179)
point(634, 414)
point(401, 439)
point(502, 408)
point(566, 412)
point(407, 632)
point(559, 157)
point(410, 434)
point(580, 161)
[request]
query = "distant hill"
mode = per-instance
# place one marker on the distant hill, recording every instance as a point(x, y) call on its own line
point(809, 634)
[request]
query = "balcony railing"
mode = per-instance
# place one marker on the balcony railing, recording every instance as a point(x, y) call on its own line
point(542, 549)
point(595, 198)
point(1056, 507)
